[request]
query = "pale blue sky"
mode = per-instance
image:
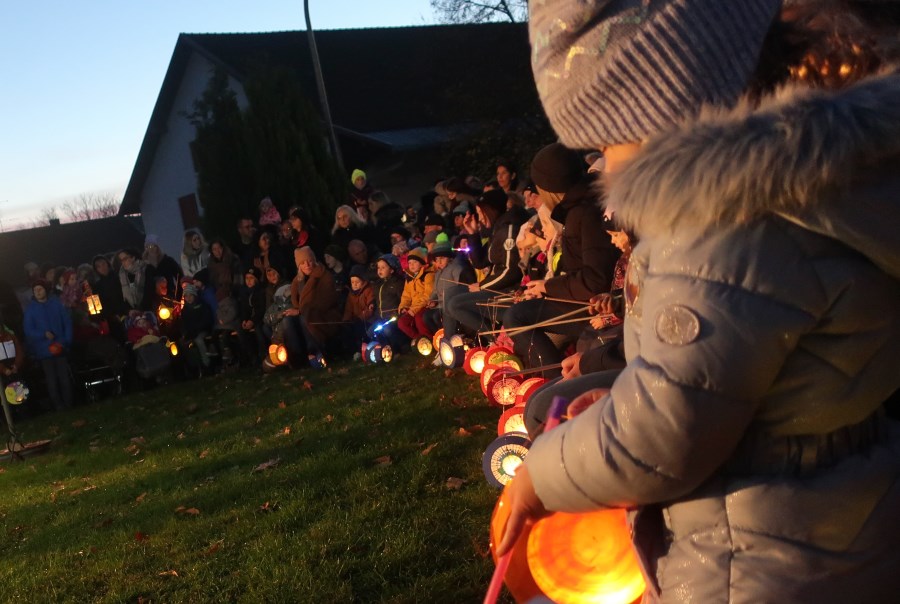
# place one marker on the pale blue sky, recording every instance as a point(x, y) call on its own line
point(79, 80)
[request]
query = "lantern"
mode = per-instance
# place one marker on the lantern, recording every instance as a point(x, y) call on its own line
point(474, 361)
point(7, 350)
point(489, 370)
point(165, 313)
point(585, 557)
point(55, 348)
point(518, 577)
point(383, 324)
point(503, 457)
point(502, 387)
point(512, 421)
point(363, 354)
point(436, 339)
point(93, 304)
point(387, 354)
point(278, 354)
point(424, 346)
point(457, 340)
point(173, 349)
point(452, 356)
point(496, 355)
point(527, 388)
point(16, 393)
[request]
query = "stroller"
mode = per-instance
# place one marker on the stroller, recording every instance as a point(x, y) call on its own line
point(152, 352)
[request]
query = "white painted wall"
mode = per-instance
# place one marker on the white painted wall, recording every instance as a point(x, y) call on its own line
point(172, 173)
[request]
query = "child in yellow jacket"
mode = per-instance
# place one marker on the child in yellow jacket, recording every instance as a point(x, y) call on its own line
point(415, 296)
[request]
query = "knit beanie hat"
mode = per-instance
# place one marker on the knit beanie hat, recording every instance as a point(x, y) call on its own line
point(430, 237)
point(556, 168)
point(357, 173)
point(360, 272)
point(336, 252)
point(420, 254)
point(442, 247)
point(191, 289)
point(616, 71)
point(255, 272)
point(304, 253)
point(392, 261)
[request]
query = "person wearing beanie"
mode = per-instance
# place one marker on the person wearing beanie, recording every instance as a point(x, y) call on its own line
point(197, 322)
point(164, 265)
point(452, 274)
point(499, 259)
point(586, 263)
point(268, 213)
point(48, 335)
point(433, 223)
point(252, 310)
point(416, 292)
point(316, 308)
point(388, 290)
point(360, 308)
point(360, 193)
point(753, 153)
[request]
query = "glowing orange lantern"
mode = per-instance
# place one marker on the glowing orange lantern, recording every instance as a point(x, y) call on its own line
point(173, 348)
point(585, 558)
point(165, 313)
point(512, 421)
point(436, 339)
point(55, 348)
point(474, 361)
point(278, 354)
point(496, 353)
point(502, 387)
point(518, 578)
point(527, 388)
point(425, 346)
point(93, 304)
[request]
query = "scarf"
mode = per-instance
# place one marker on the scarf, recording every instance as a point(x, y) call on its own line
point(132, 282)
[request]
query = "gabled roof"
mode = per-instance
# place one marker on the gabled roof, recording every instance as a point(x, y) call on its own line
point(377, 80)
point(68, 244)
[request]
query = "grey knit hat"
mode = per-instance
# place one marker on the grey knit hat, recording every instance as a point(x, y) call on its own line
point(617, 71)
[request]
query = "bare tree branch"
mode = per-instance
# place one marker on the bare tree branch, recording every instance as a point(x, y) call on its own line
point(90, 206)
point(471, 11)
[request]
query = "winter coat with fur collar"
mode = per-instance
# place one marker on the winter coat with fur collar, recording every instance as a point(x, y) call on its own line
point(762, 336)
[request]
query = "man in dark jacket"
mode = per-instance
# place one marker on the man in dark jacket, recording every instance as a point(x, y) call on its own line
point(585, 268)
point(500, 258)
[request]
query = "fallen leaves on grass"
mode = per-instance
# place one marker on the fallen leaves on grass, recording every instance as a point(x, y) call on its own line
point(463, 432)
point(187, 511)
point(168, 573)
point(282, 405)
point(140, 497)
point(455, 484)
point(284, 431)
point(428, 449)
point(384, 460)
point(204, 453)
point(307, 384)
point(477, 428)
point(133, 449)
point(79, 423)
point(448, 373)
point(138, 440)
point(139, 536)
point(269, 507)
point(213, 548)
point(267, 465)
point(181, 436)
point(329, 418)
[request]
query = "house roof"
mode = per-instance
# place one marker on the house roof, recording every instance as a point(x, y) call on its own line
point(68, 244)
point(418, 80)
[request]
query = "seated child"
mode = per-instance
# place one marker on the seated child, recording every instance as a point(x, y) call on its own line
point(416, 292)
point(196, 322)
point(360, 307)
point(387, 292)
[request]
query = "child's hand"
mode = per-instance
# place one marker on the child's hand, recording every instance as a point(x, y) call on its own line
point(474, 287)
point(525, 508)
point(580, 404)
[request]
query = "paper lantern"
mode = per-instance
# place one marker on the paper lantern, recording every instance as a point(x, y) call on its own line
point(424, 346)
point(494, 351)
point(518, 577)
point(278, 354)
point(16, 393)
point(363, 353)
point(93, 304)
point(387, 354)
point(486, 374)
point(165, 313)
point(452, 356)
point(503, 457)
point(436, 339)
point(512, 421)
point(456, 340)
point(55, 348)
point(585, 558)
point(527, 388)
point(173, 349)
point(502, 387)
point(474, 361)
point(7, 351)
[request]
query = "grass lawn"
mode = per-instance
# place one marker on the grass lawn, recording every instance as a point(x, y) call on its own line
point(158, 496)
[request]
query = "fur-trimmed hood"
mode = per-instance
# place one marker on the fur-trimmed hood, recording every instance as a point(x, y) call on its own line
point(828, 161)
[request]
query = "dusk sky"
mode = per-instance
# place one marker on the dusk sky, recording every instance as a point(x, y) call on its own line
point(80, 80)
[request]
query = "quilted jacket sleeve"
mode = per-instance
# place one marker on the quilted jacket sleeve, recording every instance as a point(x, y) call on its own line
point(705, 352)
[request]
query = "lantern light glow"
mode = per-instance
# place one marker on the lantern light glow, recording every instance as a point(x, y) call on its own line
point(381, 326)
point(424, 346)
point(278, 354)
point(93, 304)
point(165, 313)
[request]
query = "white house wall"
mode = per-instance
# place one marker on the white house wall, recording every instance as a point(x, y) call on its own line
point(172, 174)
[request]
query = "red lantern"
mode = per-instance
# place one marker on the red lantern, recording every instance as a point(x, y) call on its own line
point(55, 348)
point(512, 421)
point(474, 361)
point(502, 387)
point(586, 557)
point(436, 339)
point(527, 388)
